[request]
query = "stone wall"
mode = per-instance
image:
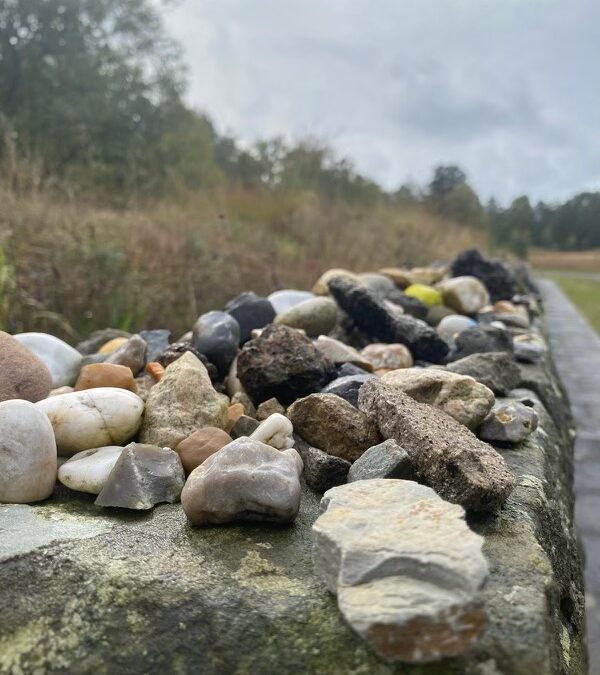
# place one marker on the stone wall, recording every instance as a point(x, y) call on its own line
point(146, 593)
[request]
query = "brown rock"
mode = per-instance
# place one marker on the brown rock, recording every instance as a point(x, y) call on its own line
point(105, 375)
point(446, 455)
point(200, 446)
point(269, 407)
point(22, 374)
point(234, 412)
point(333, 425)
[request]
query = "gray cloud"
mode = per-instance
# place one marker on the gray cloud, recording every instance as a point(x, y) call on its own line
point(505, 88)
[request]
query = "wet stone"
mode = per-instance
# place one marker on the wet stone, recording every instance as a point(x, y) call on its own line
point(386, 460)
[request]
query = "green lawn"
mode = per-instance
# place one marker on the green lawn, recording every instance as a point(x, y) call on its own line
point(585, 293)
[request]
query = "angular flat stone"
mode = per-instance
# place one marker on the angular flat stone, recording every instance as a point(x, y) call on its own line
point(333, 425)
point(144, 475)
point(245, 480)
point(405, 566)
point(462, 397)
point(497, 370)
point(386, 460)
point(375, 318)
point(198, 447)
point(445, 454)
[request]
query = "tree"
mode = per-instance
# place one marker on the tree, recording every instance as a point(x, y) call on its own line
point(88, 83)
point(446, 178)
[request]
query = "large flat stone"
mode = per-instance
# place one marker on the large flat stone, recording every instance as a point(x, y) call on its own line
point(155, 595)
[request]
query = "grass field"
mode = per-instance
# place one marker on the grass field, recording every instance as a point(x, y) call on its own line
point(577, 273)
point(585, 293)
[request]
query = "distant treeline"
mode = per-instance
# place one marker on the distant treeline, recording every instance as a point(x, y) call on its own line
point(91, 103)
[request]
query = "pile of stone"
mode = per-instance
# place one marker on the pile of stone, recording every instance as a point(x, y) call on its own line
point(377, 389)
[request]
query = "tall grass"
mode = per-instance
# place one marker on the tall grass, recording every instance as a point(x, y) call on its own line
point(69, 268)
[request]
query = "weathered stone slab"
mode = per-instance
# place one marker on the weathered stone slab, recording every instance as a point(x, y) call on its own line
point(153, 594)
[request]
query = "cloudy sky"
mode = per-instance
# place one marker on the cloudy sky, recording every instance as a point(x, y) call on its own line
point(508, 89)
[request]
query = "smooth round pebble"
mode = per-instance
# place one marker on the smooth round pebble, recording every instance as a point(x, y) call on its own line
point(88, 471)
point(61, 359)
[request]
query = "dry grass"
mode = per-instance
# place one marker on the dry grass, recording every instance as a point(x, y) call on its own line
point(69, 268)
point(570, 261)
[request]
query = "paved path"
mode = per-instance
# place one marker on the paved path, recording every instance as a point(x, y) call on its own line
point(576, 349)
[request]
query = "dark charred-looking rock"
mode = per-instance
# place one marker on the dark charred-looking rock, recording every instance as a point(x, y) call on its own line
point(445, 454)
point(284, 364)
point(178, 349)
point(480, 340)
point(378, 319)
point(251, 312)
point(412, 306)
point(497, 277)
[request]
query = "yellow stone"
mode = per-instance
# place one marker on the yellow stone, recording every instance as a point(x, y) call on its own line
point(112, 345)
point(430, 296)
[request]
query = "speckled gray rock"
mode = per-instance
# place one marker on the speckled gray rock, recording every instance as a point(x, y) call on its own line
point(462, 397)
point(269, 407)
point(445, 454)
point(321, 471)
point(377, 319)
point(386, 460)
point(496, 370)
point(508, 423)
point(131, 354)
point(144, 475)
point(245, 480)
point(315, 317)
point(183, 401)
point(27, 453)
point(333, 425)
point(405, 567)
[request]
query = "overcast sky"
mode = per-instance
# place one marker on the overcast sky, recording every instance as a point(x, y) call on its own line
point(508, 89)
